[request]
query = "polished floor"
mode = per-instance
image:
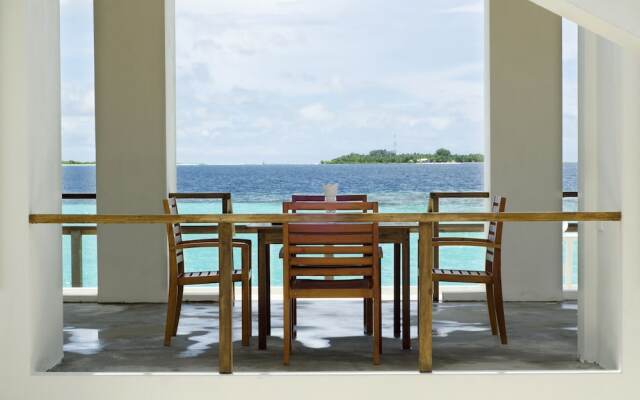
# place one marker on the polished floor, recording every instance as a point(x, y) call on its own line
point(128, 338)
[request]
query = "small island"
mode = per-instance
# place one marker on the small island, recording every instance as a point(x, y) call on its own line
point(74, 162)
point(387, 157)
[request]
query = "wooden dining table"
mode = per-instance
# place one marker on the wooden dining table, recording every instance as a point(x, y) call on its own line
point(397, 234)
point(227, 225)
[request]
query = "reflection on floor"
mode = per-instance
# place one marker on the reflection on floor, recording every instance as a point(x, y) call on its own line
point(125, 338)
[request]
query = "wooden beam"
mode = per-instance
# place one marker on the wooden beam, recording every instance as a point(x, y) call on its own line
point(425, 297)
point(225, 348)
point(201, 195)
point(280, 218)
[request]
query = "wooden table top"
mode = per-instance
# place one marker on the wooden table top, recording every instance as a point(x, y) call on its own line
point(386, 226)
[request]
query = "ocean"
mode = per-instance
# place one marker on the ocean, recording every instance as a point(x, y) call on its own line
point(262, 188)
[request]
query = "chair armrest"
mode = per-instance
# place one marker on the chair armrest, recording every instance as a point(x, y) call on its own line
point(281, 253)
point(191, 244)
point(458, 241)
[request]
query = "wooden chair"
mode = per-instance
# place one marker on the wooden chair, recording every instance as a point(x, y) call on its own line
point(434, 206)
point(491, 277)
point(356, 251)
point(178, 278)
point(321, 197)
point(367, 303)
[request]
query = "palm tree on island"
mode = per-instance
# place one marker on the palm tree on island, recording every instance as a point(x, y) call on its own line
point(387, 157)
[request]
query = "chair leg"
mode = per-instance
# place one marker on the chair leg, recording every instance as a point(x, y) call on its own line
point(377, 329)
point(365, 316)
point(368, 316)
point(246, 310)
point(396, 290)
point(171, 314)
point(178, 309)
point(294, 317)
point(267, 267)
point(491, 306)
point(436, 292)
point(502, 326)
point(286, 326)
point(378, 311)
point(246, 295)
point(294, 305)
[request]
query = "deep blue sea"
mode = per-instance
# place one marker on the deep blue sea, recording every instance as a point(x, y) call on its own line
point(262, 188)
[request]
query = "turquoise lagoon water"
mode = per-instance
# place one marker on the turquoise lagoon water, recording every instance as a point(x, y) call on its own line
point(261, 189)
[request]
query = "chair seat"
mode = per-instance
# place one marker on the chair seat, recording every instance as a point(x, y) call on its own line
point(281, 252)
point(344, 288)
point(333, 284)
point(461, 275)
point(331, 271)
point(199, 277)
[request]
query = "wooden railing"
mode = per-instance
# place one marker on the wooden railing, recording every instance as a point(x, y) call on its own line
point(425, 254)
point(78, 231)
point(570, 238)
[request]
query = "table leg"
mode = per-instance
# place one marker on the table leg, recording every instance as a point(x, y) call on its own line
point(396, 290)
point(425, 297)
point(406, 294)
point(225, 349)
point(267, 266)
point(263, 277)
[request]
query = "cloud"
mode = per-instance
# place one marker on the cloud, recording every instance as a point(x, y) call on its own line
point(78, 101)
point(471, 8)
point(316, 112)
point(318, 78)
point(439, 123)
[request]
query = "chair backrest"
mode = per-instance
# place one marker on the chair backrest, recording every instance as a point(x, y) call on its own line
point(434, 206)
point(494, 235)
point(174, 237)
point(308, 244)
point(227, 205)
point(321, 197)
point(360, 206)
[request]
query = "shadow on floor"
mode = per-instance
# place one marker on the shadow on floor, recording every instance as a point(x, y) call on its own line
point(128, 338)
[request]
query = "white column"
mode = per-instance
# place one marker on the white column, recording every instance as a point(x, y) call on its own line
point(524, 140)
point(30, 172)
point(588, 195)
point(135, 142)
point(609, 171)
point(624, 297)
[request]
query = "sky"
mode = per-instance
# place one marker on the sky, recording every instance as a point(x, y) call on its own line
point(300, 81)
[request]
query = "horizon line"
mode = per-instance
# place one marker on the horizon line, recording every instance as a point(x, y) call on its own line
point(87, 163)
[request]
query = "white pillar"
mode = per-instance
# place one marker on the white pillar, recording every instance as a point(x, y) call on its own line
point(30, 172)
point(609, 170)
point(624, 302)
point(135, 142)
point(524, 140)
point(588, 195)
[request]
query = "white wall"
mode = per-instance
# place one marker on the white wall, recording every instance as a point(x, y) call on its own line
point(609, 128)
point(30, 256)
point(523, 93)
point(629, 296)
point(616, 20)
point(135, 143)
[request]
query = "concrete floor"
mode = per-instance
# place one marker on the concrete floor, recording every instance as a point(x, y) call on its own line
point(125, 338)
